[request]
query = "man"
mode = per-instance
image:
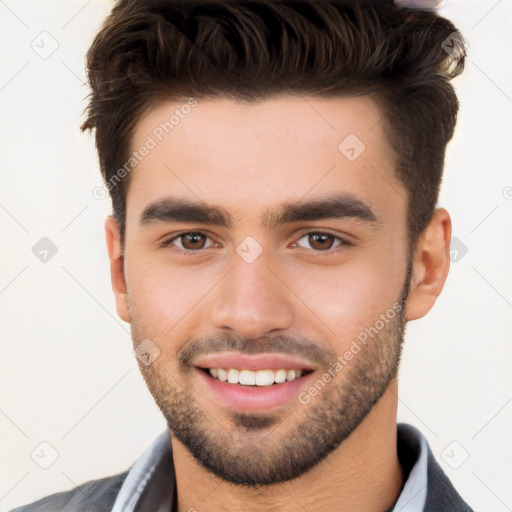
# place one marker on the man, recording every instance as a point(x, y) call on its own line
point(274, 169)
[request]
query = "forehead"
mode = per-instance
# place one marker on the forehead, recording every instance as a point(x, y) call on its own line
point(247, 155)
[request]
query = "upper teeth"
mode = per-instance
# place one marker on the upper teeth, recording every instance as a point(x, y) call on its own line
point(254, 378)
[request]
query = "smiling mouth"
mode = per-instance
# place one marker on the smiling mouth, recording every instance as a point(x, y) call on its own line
point(255, 378)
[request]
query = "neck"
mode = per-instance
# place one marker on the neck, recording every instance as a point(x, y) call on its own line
point(362, 474)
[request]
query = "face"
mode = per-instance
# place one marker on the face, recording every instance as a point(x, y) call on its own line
point(269, 238)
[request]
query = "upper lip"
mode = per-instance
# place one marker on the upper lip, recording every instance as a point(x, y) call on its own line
point(253, 362)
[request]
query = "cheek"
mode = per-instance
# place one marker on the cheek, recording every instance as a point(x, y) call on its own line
point(171, 301)
point(351, 297)
point(163, 298)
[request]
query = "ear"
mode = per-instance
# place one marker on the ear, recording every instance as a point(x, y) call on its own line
point(113, 237)
point(431, 263)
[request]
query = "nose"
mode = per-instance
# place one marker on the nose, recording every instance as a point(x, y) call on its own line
point(253, 299)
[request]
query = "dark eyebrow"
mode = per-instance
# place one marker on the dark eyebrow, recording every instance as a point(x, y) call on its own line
point(334, 206)
point(175, 209)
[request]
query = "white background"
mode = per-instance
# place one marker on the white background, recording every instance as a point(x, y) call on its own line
point(68, 375)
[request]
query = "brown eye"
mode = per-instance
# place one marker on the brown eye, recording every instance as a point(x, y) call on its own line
point(191, 241)
point(322, 241)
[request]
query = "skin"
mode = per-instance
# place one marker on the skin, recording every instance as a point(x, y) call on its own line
point(247, 159)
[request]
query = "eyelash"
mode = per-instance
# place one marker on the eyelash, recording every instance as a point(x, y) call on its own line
point(343, 245)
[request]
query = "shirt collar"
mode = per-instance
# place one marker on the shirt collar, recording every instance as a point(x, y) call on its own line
point(151, 483)
point(412, 451)
point(150, 480)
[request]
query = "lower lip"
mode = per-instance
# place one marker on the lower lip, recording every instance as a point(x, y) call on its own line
point(252, 398)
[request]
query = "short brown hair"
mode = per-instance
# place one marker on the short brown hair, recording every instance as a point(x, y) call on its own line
point(149, 50)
